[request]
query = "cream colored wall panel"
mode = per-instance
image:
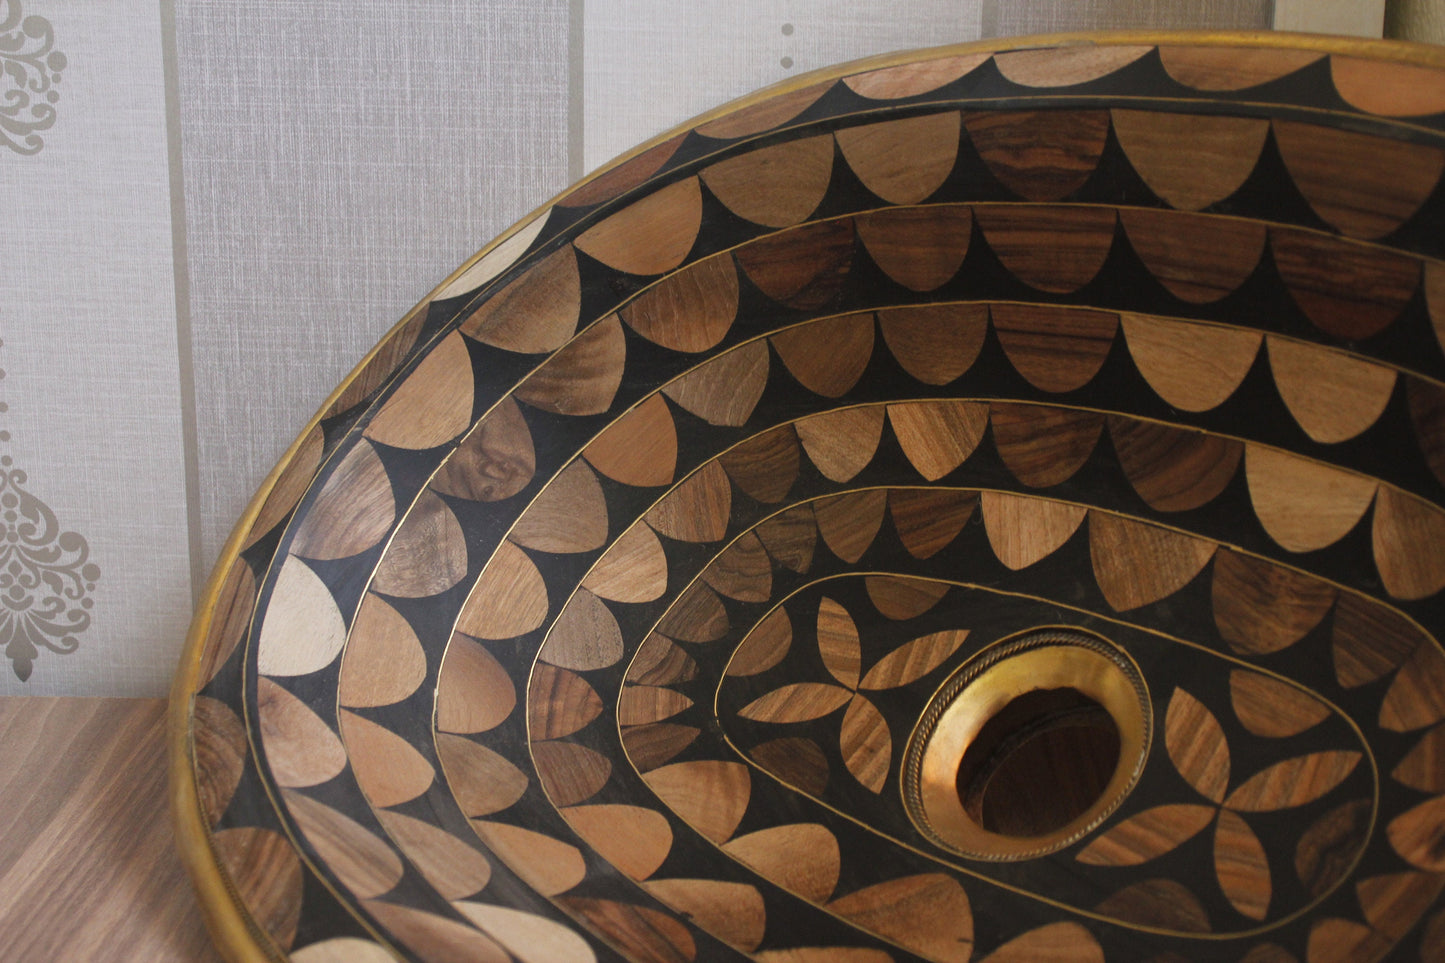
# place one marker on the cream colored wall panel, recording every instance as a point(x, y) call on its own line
point(339, 160)
point(91, 392)
point(1358, 18)
point(1002, 18)
point(650, 64)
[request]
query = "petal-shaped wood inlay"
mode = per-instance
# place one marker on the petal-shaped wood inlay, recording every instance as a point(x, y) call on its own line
point(1427, 415)
point(766, 465)
point(220, 747)
point(302, 629)
point(301, 750)
point(433, 404)
point(568, 515)
point(267, 876)
point(582, 377)
point(1418, 835)
point(1241, 866)
point(1190, 160)
point(777, 186)
point(1173, 469)
point(1328, 849)
point(651, 235)
point(765, 646)
point(914, 78)
point(494, 461)
point(509, 599)
point(1065, 66)
point(698, 615)
point(919, 247)
point(1406, 537)
point(638, 932)
point(790, 537)
point(559, 703)
point(903, 161)
point(827, 357)
point(802, 267)
point(1365, 185)
point(1261, 607)
point(726, 389)
point(901, 598)
point(935, 343)
point(474, 692)
point(1194, 367)
point(1042, 445)
point(743, 572)
point(660, 661)
point(1041, 155)
point(379, 366)
point(640, 448)
point(481, 781)
point(292, 483)
point(362, 862)
point(1293, 782)
point(842, 442)
point(1333, 395)
point(1394, 903)
point(928, 520)
point(449, 864)
point(733, 912)
point(1369, 640)
point(1196, 745)
point(1159, 903)
point(639, 705)
point(849, 523)
point(353, 511)
point(528, 937)
point(618, 180)
point(1023, 530)
point(1335, 940)
point(548, 865)
point(928, 914)
point(383, 662)
point(802, 858)
point(634, 839)
point(1271, 708)
point(537, 312)
point(1137, 564)
point(1054, 943)
point(1056, 249)
point(570, 773)
point(796, 761)
point(1304, 504)
point(1231, 67)
point(1197, 257)
point(936, 436)
point(866, 744)
point(503, 254)
point(1055, 349)
point(386, 766)
point(796, 702)
point(708, 794)
point(1147, 835)
point(1417, 696)
point(690, 310)
point(230, 619)
point(765, 114)
point(653, 745)
point(435, 938)
point(1391, 89)
point(1423, 767)
point(1349, 291)
point(633, 569)
point(913, 660)
point(428, 553)
point(584, 637)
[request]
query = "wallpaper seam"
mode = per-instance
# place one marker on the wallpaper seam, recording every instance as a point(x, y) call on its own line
point(576, 72)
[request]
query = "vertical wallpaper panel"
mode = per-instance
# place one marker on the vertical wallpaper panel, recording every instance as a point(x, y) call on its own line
point(1003, 19)
point(651, 64)
point(339, 160)
point(93, 493)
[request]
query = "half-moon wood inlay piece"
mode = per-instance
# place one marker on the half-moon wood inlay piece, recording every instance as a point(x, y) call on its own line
point(984, 504)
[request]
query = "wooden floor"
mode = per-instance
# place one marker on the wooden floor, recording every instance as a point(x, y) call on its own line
point(88, 866)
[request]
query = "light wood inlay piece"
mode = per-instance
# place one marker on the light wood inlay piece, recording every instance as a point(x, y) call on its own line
point(777, 186)
point(1333, 395)
point(733, 912)
point(389, 771)
point(1232, 68)
point(903, 598)
point(1064, 67)
point(1195, 367)
point(656, 744)
point(490, 266)
point(581, 378)
point(634, 839)
point(569, 515)
point(639, 932)
point(1369, 640)
point(1388, 89)
point(913, 660)
point(1024, 530)
point(474, 692)
point(1293, 782)
point(797, 702)
point(548, 865)
point(802, 267)
point(1395, 902)
point(1052, 943)
point(726, 389)
point(624, 177)
point(903, 161)
point(1197, 746)
point(765, 646)
point(1423, 767)
point(827, 357)
point(640, 705)
point(842, 442)
point(383, 662)
point(363, 863)
point(935, 343)
point(849, 523)
point(698, 615)
point(1146, 835)
point(1418, 835)
point(1261, 607)
point(433, 405)
point(527, 936)
point(220, 747)
point(910, 80)
point(709, 795)
point(633, 569)
point(559, 703)
point(435, 937)
point(378, 370)
point(1407, 536)
point(353, 511)
point(481, 781)
point(452, 866)
point(295, 479)
point(508, 599)
point(537, 312)
point(303, 629)
point(640, 448)
point(764, 115)
point(838, 643)
point(928, 914)
point(800, 857)
point(1417, 696)
point(937, 436)
point(651, 235)
point(1304, 504)
point(1190, 160)
point(1041, 155)
point(691, 310)
point(1242, 866)
point(1136, 563)
point(1271, 708)
point(232, 619)
point(865, 744)
point(301, 749)
point(585, 636)
point(427, 554)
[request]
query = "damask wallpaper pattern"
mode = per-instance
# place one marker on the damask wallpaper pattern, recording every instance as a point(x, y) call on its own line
point(214, 209)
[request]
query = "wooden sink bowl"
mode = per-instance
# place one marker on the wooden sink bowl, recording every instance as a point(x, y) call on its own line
point(978, 504)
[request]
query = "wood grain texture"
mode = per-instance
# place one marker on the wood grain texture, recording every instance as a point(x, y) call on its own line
point(494, 461)
point(639, 931)
point(535, 313)
point(362, 862)
point(1427, 415)
point(1369, 640)
point(1055, 349)
point(1173, 469)
point(935, 343)
point(1024, 530)
point(919, 247)
point(651, 235)
point(937, 436)
point(1231, 68)
point(438, 938)
point(764, 646)
point(743, 571)
point(802, 267)
point(1271, 708)
point(802, 858)
point(1333, 395)
point(926, 521)
point(1393, 90)
point(389, 771)
point(584, 637)
point(303, 629)
point(481, 781)
point(849, 523)
point(1189, 160)
point(433, 404)
point(1042, 445)
point(910, 80)
point(634, 839)
point(1197, 746)
point(709, 795)
point(929, 914)
point(301, 749)
point(383, 662)
point(1195, 367)
point(902, 599)
point(691, 310)
point(733, 912)
point(582, 377)
point(1262, 607)
point(1196, 257)
point(698, 509)
point(1304, 504)
point(777, 186)
point(295, 479)
point(1147, 835)
point(474, 692)
point(827, 357)
point(508, 599)
point(568, 516)
point(427, 553)
point(455, 868)
point(1136, 563)
point(766, 114)
point(842, 442)
point(903, 161)
point(1041, 155)
point(353, 511)
point(725, 390)
point(1406, 537)
point(1054, 249)
point(624, 177)
point(640, 448)
point(697, 616)
point(1241, 866)
point(1349, 291)
point(1033, 68)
